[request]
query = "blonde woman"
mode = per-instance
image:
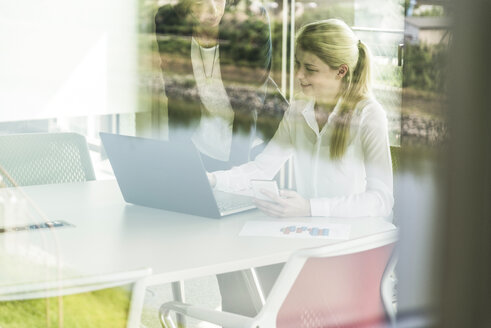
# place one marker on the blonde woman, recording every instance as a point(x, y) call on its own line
point(337, 137)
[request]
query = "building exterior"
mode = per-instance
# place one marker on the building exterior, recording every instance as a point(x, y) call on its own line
point(427, 30)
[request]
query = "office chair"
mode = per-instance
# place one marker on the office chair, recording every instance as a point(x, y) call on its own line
point(339, 285)
point(45, 158)
point(78, 310)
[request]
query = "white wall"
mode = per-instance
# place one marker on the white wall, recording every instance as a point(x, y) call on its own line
point(67, 58)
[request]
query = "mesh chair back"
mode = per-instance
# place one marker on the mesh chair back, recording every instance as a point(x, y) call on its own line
point(45, 158)
point(339, 291)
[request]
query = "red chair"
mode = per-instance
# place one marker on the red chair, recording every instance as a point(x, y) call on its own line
point(342, 285)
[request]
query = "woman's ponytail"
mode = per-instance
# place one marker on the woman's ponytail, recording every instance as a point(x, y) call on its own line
point(357, 87)
point(361, 75)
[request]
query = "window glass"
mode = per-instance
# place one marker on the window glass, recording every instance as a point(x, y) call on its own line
point(125, 67)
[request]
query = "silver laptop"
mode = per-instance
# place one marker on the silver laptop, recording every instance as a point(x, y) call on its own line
point(167, 175)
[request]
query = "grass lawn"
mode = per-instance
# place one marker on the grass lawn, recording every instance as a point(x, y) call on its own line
point(104, 308)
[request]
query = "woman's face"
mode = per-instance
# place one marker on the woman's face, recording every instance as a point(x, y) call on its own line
point(208, 12)
point(316, 78)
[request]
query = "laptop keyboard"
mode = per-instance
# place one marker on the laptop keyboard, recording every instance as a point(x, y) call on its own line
point(228, 202)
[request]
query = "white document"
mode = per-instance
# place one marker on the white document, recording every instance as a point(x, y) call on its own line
point(286, 229)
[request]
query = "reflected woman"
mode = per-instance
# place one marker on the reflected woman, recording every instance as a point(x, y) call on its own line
point(207, 47)
point(337, 137)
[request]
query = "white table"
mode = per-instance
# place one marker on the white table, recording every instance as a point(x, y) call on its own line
point(113, 236)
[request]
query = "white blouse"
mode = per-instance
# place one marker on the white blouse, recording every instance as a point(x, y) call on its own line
point(213, 136)
point(359, 184)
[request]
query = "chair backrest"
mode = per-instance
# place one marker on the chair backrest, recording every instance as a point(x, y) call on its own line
point(89, 300)
point(45, 158)
point(76, 285)
point(332, 286)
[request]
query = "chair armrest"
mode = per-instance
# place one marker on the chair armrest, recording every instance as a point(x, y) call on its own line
point(70, 286)
point(224, 319)
point(388, 288)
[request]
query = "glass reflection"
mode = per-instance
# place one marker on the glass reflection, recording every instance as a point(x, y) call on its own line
point(216, 59)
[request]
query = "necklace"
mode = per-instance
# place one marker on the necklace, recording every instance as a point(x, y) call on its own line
point(203, 62)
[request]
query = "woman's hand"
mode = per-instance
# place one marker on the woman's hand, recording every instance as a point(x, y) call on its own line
point(289, 204)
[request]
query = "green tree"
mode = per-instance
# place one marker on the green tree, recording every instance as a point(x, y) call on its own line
point(425, 66)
